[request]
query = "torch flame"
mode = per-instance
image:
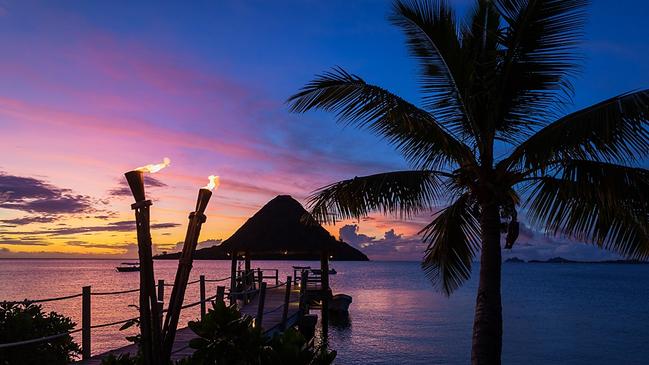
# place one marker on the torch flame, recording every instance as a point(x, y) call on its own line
point(214, 183)
point(155, 167)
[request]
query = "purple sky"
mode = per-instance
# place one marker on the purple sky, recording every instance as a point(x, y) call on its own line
point(93, 89)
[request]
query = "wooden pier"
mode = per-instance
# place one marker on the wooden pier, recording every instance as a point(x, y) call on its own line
point(273, 321)
point(274, 305)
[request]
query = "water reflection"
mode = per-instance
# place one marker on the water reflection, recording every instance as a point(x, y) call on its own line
point(552, 313)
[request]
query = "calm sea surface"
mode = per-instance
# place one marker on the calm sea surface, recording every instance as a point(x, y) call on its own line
point(553, 313)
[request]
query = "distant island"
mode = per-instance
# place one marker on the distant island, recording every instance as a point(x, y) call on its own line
point(561, 260)
point(281, 230)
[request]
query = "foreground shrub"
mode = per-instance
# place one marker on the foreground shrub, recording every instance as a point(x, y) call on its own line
point(24, 321)
point(227, 337)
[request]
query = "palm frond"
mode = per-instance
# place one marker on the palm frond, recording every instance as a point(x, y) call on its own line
point(540, 56)
point(614, 130)
point(402, 193)
point(453, 239)
point(414, 132)
point(433, 38)
point(597, 202)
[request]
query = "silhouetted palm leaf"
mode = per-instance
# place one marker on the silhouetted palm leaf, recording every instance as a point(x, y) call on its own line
point(613, 130)
point(596, 202)
point(402, 192)
point(413, 131)
point(499, 74)
point(453, 239)
point(432, 35)
point(539, 58)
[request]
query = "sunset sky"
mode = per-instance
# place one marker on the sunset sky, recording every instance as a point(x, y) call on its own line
point(90, 90)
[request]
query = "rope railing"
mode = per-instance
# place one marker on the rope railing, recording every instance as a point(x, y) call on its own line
point(44, 300)
point(37, 340)
point(40, 300)
point(116, 292)
point(114, 323)
point(197, 303)
point(189, 283)
point(86, 326)
point(277, 285)
point(87, 293)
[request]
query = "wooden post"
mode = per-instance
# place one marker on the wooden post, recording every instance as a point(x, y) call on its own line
point(233, 277)
point(220, 293)
point(287, 299)
point(260, 307)
point(201, 283)
point(248, 278)
point(276, 276)
point(85, 322)
point(161, 295)
point(161, 290)
point(260, 276)
point(324, 278)
point(304, 277)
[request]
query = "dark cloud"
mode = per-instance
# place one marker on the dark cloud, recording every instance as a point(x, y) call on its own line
point(103, 216)
point(28, 241)
point(390, 246)
point(535, 245)
point(120, 226)
point(124, 190)
point(349, 233)
point(202, 244)
point(37, 196)
point(28, 220)
point(115, 246)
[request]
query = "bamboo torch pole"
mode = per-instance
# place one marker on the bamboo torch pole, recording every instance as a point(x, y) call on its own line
point(196, 220)
point(150, 330)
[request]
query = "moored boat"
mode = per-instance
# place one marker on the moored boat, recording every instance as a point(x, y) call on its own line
point(128, 267)
point(339, 303)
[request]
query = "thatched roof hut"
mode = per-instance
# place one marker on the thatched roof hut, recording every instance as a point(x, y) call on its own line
point(283, 228)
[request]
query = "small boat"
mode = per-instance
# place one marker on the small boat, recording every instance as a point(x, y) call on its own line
point(129, 267)
point(339, 304)
point(301, 267)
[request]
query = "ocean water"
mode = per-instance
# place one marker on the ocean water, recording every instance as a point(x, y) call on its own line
point(553, 313)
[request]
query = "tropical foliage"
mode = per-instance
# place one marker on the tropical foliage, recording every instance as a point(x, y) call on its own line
point(228, 337)
point(25, 321)
point(490, 138)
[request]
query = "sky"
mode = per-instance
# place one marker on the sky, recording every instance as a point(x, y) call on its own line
point(90, 90)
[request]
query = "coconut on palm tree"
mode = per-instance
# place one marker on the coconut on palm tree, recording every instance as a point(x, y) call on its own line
point(498, 81)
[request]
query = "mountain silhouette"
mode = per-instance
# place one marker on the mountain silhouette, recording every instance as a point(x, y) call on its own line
point(282, 229)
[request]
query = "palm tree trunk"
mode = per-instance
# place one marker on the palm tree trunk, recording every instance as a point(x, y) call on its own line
point(488, 324)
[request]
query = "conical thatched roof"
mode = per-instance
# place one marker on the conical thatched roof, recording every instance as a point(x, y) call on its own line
point(282, 226)
point(281, 229)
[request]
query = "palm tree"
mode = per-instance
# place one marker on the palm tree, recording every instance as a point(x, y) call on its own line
point(492, 137)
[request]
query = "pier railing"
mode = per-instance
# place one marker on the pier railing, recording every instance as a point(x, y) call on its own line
point(248, 285)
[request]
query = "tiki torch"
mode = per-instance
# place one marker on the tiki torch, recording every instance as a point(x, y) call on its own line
point(196, 220)
point(150, 331)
